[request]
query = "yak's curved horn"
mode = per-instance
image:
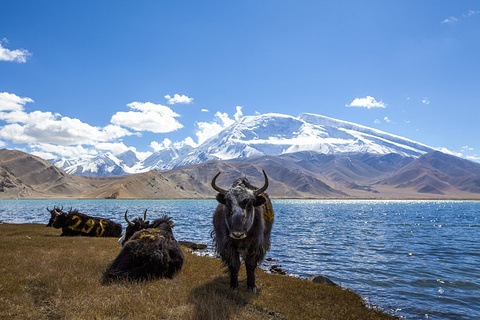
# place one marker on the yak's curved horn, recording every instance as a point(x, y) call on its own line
point(130, 223)
point(265, 186)
point(215, 187)
point(145, 215)
point(48, 210)
point(56, 212)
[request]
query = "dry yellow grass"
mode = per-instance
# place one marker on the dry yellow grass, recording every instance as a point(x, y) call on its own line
point(45, 276)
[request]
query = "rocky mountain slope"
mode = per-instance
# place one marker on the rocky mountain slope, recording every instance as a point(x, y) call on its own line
point(295, 175)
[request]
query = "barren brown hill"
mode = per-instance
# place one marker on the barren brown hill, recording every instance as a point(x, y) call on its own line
point(23, 175)
point(301, 175)
point(437, 173)
point(149, 185)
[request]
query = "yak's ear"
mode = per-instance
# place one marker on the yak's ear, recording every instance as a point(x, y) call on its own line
point(221, 198)
point(259, 200)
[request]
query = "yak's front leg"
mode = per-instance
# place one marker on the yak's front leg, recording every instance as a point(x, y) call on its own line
point(233, 268)
point(251, 266)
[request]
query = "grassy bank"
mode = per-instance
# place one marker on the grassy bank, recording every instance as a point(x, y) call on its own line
point(45, 276)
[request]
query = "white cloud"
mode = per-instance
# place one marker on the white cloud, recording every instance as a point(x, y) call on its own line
point(425, 101)
point(387, 120)
point(51, 151)
point(377, 121)
point(471, 13)
point(18, 55)
point(205, 110)
point(148, 116)
point(188, 141)
point(114, 147)
point(12, 102)
point(221, 121)
point(49, 128)
point(238, 114)
point(453, 19)
point(158, 146)
point(367, 102)
point(207, 130)
point(45, 127)
point(167, 143)
point(450, 19)
point(178, 99)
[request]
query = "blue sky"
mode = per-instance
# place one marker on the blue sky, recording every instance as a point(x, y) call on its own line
point(82, 77)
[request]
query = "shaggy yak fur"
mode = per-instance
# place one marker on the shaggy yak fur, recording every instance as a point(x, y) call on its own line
point(150, 252)
point(75, 223)
point(242, 225)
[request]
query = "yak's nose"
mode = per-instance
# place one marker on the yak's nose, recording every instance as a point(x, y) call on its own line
point(238, 234)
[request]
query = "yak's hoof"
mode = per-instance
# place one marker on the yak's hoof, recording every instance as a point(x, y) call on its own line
point(252, 290)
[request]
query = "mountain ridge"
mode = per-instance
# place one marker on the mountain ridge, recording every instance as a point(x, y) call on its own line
point(303, 175)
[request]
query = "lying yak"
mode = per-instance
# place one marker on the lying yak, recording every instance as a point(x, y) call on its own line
point(148, 253)
point(75, 223)
point(242, 225)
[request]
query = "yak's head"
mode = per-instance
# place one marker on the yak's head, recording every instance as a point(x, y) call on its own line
point(60, 218)
point(164, 223)
point(53, 215)
point(240, 202)
point(133, 226)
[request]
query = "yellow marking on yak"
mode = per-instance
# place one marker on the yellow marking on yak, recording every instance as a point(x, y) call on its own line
point(101, 229)
point(89, 224)
point(149, 233)
point(75, 226)
point(268, 211)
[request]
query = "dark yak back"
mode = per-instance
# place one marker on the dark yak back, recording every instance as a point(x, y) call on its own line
point(150, 253)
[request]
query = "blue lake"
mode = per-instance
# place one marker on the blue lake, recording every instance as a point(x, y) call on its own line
point(417, 259)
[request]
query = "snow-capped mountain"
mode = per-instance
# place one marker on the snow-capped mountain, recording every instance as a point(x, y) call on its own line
point(268, 134)
point(100, 165)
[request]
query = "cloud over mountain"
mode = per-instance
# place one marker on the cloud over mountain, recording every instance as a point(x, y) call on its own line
point(148, 116)
point(367, 102)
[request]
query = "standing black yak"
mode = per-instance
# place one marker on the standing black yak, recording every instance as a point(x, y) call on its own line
point(242, 225)
point(148, 253)
point(75, 223)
